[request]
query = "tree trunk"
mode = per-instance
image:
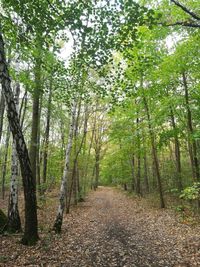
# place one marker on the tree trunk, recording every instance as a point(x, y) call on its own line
point(23, 109)
point(46, 137)
point(14, 222)
point(177, 151)
point(75, 183)
point(69, 196)
point(31, 226)
point(35, 119)
point(138, 189)
point(63, 189)
point(192, 142)
point(155, 156)
point(133, 186)
point(4, 167)
point(2, 109)
point(146, 180)
point(39, 152)
point(88, 159)
point(97, 161)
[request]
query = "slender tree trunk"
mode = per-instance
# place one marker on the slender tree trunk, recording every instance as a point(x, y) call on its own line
point(46, 138)
point(177, 152)
point(75, 183)
point(125, 187)
point(31, 226)
point(133, 183)
point(79, 188)
point(14, 222)
point(69, 196)
point(75, 187)
point(192, 142)
point(35, 119)
point(138, 189)
point(146, 180)
point(155, 156)
point(88, 159)
point(97, 162)
point(2, 109)
point(63, 189)
point(23, 108)
point(38, 160)
point(4, 167)
point(76, 153)
point(62, 130)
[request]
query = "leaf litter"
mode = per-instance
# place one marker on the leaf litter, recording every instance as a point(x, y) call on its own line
point(109, 229)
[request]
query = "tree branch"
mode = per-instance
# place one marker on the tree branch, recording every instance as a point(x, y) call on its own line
point(182, 23)
point(185, 9)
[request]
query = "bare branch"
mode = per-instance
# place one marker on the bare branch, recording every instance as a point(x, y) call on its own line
point(192, 14)
point(182, 23)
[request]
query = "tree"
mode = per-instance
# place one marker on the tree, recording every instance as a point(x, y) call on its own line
point(31, 232)
point(14, 222)
point(59, 217)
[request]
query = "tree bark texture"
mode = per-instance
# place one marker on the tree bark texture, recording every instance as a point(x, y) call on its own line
point(14, 222)
point(63, 189)
point(31, 226)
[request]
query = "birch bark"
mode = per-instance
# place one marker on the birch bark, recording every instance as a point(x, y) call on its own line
point(63, 189)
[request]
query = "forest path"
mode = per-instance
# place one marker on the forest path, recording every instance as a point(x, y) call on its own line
point(111, 229)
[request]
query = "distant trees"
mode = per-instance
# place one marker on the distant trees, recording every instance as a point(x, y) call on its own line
point(160, 113)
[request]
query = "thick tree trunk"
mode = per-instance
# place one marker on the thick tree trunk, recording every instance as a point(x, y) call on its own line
point(14, 222)
point(192, 142)
point(31, 226)
point(63, 189)
point(155, 156)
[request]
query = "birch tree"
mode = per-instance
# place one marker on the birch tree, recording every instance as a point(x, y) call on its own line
point(63, 189)
point(31, 225)
point(14, 222)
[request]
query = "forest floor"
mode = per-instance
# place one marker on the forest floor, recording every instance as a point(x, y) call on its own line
point(108, 229)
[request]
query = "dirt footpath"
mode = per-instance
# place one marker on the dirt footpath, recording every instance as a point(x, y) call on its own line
point(110, 229)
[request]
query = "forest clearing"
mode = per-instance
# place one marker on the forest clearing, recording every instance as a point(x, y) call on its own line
point(99, 133)
point(109, 229)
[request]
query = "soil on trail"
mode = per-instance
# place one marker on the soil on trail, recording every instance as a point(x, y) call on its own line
point(109, 229)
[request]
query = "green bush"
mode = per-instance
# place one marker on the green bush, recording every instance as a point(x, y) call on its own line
point(191, 192)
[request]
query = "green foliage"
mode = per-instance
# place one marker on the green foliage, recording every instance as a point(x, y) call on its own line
point(191, 192)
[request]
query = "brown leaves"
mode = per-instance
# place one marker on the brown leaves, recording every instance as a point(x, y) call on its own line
point(109, 229)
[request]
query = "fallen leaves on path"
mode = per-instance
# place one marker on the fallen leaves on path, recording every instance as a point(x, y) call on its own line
point(109, 229)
